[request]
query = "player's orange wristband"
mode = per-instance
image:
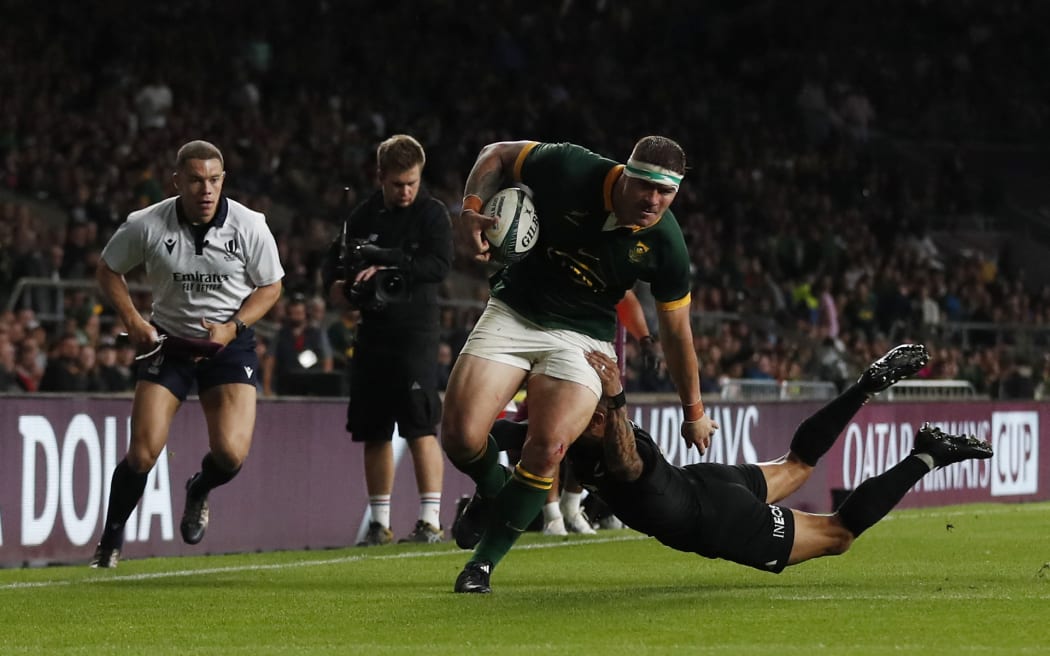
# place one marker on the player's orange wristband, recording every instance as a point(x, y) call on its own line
point(693, 411)
point(472, 202)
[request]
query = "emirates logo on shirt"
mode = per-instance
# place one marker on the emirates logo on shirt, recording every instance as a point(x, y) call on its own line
point(199, 282)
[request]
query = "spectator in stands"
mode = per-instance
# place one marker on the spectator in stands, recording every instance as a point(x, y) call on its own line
point(87, 363)
point(1017, 382)
point(342, 334)
point(64, 372)
point(28, 368)
point(827, 309)
point(75, 250)
point(8, 366)
point(113, 375)
point(154, 101)
point(857, 113)
point(1042, 388)
point(830, 363)
point(816, 114)
point(316, 310)
point(299, 349)
point(930, 311)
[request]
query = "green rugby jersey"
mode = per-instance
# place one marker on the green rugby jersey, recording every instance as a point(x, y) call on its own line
point(579, 270)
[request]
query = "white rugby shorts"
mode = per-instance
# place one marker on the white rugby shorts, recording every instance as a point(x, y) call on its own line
point(503, 335)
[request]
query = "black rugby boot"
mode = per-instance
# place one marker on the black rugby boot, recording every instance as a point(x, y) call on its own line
point(946, 449)
point(107, 553)
point(470, 519)
point(475, 578)
point(899, 363)
point(195, 515)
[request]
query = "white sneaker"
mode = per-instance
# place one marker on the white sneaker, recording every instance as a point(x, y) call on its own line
point(555, 526)
point(579, 523)
point(612, 522)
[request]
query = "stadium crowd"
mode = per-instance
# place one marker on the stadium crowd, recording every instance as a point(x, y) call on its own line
point(814, 244)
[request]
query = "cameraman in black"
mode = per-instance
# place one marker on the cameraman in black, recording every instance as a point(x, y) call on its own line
point(393, 253)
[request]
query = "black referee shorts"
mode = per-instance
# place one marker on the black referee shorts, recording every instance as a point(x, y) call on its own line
point(237, 362)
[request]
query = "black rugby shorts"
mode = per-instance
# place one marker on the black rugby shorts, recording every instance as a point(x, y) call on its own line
point(236, 363)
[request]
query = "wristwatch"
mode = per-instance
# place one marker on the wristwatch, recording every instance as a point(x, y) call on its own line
point(241, 326)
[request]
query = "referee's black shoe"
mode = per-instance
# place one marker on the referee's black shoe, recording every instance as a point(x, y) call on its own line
point(195, 515)
point(105, 558)
point(901, 362)
point(107, 553)
point(946, 448)
point(475, 578)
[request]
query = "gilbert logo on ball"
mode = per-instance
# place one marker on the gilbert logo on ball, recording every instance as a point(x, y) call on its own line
point(516, 229)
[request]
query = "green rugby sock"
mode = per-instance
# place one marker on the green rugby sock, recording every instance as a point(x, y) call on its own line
point(515, 507)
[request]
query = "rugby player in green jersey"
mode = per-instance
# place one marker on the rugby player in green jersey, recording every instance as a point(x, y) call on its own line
point(603, 226)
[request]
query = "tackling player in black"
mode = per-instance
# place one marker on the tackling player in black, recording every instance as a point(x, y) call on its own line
point(729, 511)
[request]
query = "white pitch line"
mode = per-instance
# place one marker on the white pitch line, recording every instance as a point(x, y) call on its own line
point(299, 563)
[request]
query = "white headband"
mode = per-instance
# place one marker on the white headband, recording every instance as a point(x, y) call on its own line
point(653, 173)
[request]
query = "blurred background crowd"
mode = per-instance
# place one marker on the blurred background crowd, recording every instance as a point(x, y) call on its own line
point(861, 174)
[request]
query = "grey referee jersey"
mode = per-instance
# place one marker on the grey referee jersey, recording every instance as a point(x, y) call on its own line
point(194, 276)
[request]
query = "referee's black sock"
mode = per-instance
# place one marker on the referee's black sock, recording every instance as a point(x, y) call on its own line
point(125, 490)
point(211, 476)
point(879, 494)
point(815, 436)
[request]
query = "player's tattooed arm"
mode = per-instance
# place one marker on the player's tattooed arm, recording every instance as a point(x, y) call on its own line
point(621, 454)
point(618, 448)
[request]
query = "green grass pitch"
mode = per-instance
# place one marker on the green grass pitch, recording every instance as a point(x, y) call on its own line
point(959, 580)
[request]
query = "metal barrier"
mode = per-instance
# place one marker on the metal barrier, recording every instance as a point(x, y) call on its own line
point(744, 389)
point(929, 390)
point(47, 297)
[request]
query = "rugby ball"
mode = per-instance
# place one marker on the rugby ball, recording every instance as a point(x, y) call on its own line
point(516, 229)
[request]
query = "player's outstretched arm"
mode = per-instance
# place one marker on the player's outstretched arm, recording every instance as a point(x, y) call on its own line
point(618, 448)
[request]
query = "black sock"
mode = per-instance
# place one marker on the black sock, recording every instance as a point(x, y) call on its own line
point(509, 435)
point(484, 469)
point(211, 476)
point(125, 490)
point(818, 433)
point(879, 494)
